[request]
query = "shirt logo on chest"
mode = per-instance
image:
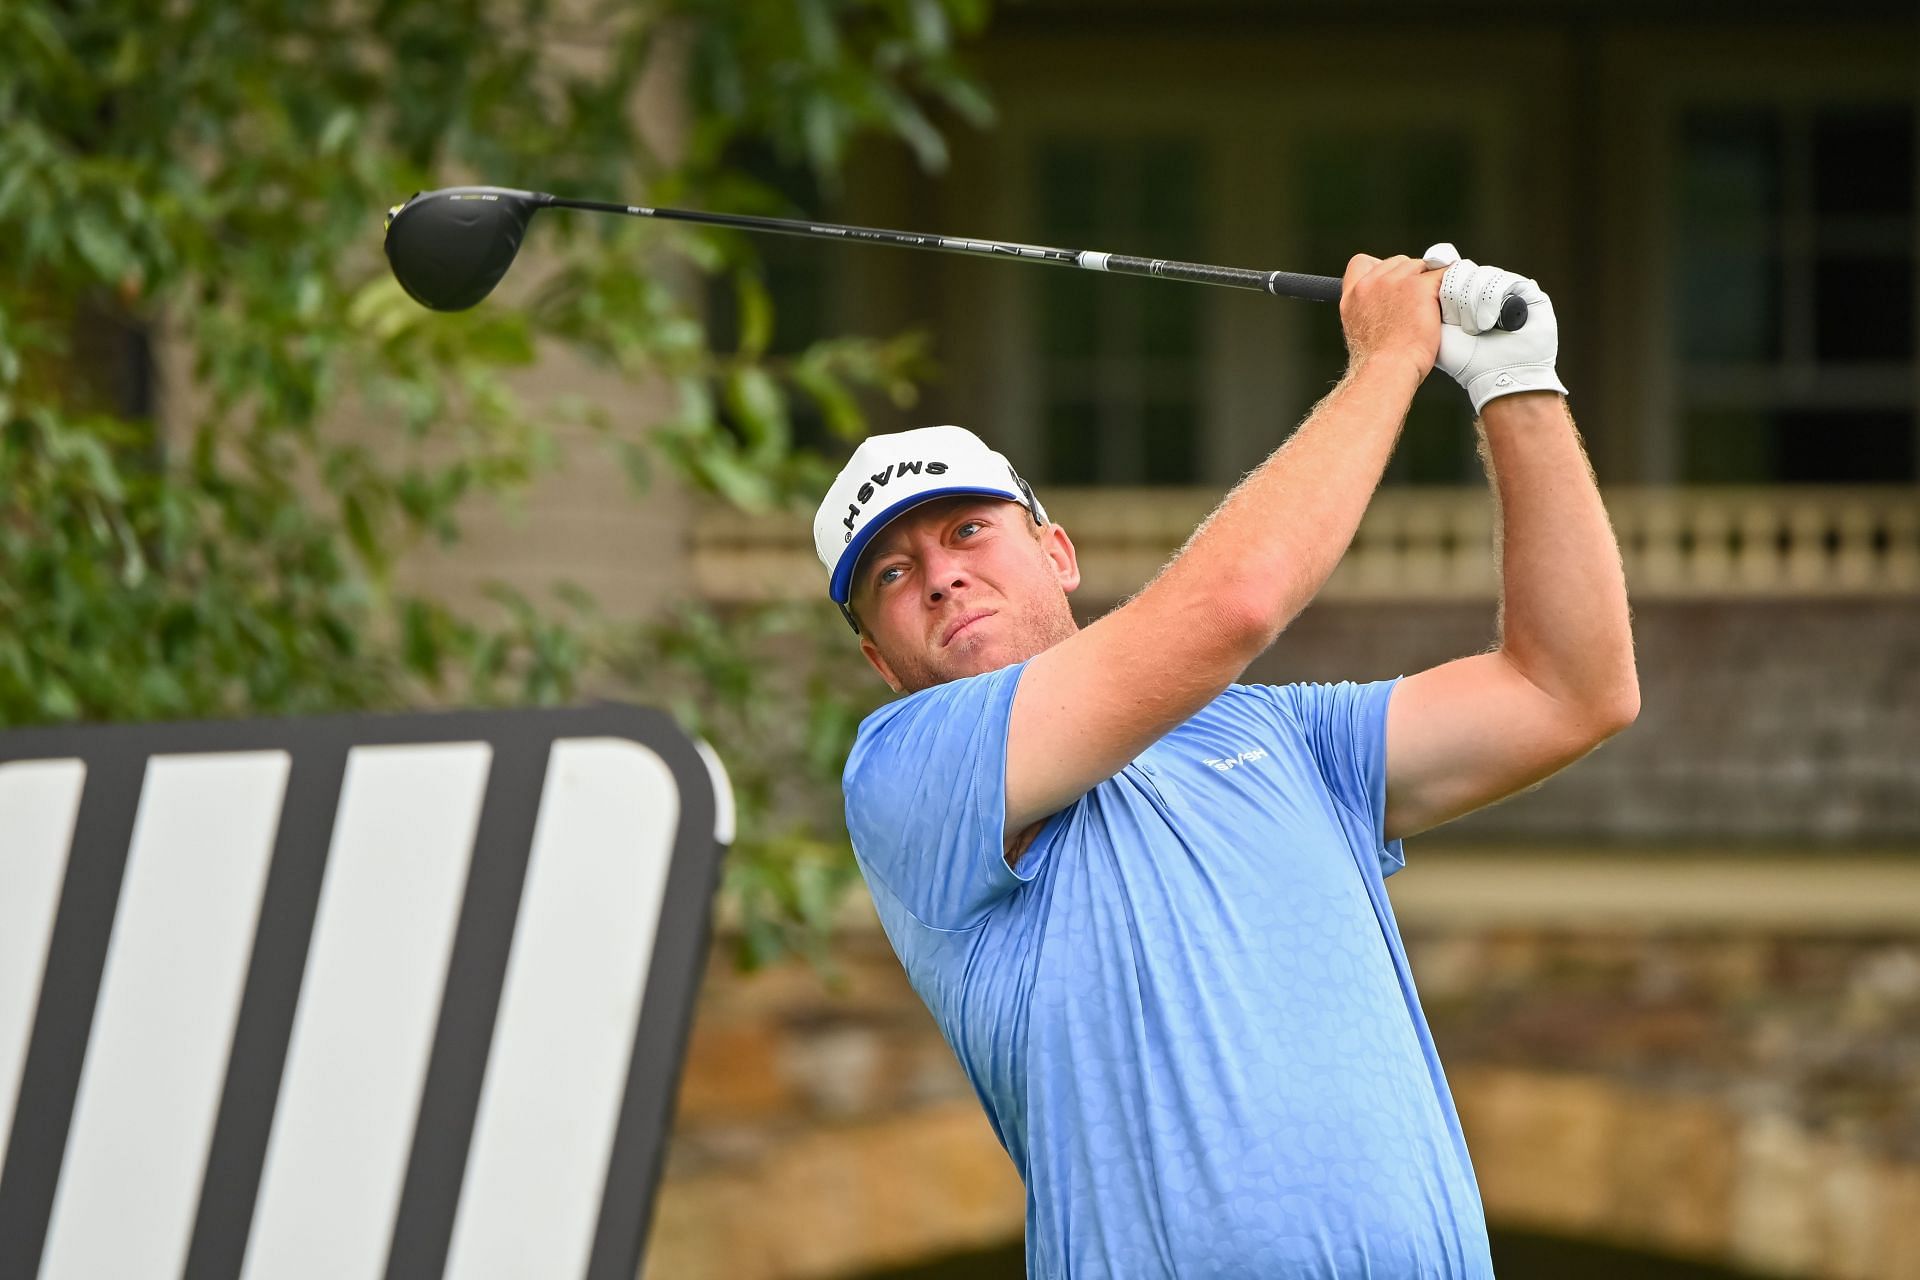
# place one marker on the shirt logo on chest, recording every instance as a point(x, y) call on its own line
point(1227, 764)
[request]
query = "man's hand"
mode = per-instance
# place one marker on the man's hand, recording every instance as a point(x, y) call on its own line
point(1490, 362)
point(1387, 309)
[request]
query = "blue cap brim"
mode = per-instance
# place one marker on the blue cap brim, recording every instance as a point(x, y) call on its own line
point(840, 585)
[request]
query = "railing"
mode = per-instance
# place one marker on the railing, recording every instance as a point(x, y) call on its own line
point(1436, 544)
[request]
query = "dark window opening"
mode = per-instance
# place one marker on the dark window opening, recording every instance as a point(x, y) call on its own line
point(1797, 294)
point(1393, 191)
point(1120, 398)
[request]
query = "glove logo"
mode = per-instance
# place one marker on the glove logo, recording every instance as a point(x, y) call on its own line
point(1504, 380)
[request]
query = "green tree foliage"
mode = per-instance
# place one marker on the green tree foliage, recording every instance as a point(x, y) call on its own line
point(209, 176)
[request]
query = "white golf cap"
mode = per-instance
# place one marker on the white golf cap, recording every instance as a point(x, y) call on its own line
point(889, 474)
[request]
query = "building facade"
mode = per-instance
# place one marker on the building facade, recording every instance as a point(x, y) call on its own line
point(1722, 202)
point(1677, 987)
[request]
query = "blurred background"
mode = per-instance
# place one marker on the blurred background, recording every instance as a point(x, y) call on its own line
point(1676, 988)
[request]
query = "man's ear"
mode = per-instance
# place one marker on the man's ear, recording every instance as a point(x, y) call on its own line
point(878, 663)
point(1066, 561)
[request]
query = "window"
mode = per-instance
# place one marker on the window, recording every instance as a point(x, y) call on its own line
point(1794, 276)
point(1119, 359)
point(1386, 191)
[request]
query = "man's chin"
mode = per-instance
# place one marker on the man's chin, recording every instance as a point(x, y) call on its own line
point(973, 660)
point(974, 654)
point(982, 660)
point(984, 655)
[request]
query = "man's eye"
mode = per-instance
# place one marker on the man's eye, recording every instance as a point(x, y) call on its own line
point(887, 575)
point(970, 524)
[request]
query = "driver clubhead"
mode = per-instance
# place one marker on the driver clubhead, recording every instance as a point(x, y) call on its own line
point(449, 248)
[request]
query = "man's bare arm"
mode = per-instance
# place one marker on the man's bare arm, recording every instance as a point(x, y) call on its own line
point(1091, 703)
point(1467, 733)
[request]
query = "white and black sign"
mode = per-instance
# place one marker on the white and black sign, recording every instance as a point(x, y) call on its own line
point(347, 997)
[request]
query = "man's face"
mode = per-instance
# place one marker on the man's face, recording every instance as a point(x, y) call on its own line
point(960, 586)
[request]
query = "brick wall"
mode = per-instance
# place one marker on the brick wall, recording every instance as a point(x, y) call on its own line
point(1760, 722)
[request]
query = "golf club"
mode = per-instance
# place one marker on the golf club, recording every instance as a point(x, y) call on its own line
point(450, 247)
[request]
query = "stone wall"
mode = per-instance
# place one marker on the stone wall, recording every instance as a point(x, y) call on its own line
point(1821, 1032)
point(824, 1128)
point(1739, 1095)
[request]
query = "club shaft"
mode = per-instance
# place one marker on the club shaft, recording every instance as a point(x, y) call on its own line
point(1281, 284)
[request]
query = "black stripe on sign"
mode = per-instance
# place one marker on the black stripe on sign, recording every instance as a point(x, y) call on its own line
point(476, 974)
point(63, 1019)
point(680, 952)
point(231, 1184)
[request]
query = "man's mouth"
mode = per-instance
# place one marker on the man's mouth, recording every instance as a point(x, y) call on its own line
point(961, 623)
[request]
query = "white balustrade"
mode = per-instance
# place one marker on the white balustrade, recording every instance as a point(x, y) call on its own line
point(1435, 544)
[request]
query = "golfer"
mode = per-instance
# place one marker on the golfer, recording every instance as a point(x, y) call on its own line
point(1146, 903)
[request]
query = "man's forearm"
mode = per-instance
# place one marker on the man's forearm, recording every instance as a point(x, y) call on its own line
point(1563, 602)
point(1272, 543)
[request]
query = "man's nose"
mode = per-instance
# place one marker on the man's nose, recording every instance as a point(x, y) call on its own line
point(944, 572)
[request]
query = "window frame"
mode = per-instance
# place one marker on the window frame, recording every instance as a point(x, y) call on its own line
point(1246, 123)
point(1670, 77)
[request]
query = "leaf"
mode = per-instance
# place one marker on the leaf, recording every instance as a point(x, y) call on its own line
point(819, 37)
point(756, 314)
point(57, 700)
point(128, 59)
point(100, 246)
point(382, 309)
point(309, 294)
point(696, 405)
point(338, 130)
point(742, 485)
point(822, 125)
point(422, 642)
point(929, 24)
point(916, 130)
point(963, 95)
point(837, 405)
point(637, 462)
point(754, 399)
point(359, 524)
point(969, 15)
point(501, 339)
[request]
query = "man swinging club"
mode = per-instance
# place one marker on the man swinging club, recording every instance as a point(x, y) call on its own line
point(1146, 903)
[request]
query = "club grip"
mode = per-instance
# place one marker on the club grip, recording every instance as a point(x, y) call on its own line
point(1292, 284)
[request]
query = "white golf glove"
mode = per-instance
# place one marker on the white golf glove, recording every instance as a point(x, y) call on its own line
point(1491, 362)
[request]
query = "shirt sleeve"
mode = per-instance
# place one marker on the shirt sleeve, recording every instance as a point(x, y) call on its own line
point(1346, 730)
point(926, 793)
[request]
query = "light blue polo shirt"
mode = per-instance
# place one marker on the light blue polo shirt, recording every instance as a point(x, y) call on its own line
point(1188, 1012)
